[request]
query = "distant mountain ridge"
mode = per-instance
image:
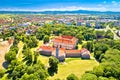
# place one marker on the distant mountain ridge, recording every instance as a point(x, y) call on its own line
point(59, 12)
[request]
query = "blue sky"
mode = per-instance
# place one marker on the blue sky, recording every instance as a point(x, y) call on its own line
point(61, 5)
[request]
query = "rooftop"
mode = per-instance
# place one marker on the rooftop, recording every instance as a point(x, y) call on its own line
point(65, 39)
point(49, 48)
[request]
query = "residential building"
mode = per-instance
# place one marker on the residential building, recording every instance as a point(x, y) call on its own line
point(97, 25)
point(117, 24)
point(79, 23)
point(88, 24)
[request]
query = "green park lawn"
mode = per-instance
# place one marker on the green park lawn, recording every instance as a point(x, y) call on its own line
point(20, 46)
point(76, 66)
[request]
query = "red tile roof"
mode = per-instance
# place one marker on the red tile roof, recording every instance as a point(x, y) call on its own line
point(80, 21)
point(47, 48)
point(84, 50)
point(65, 39)
point(72, 51)
point(62, 50)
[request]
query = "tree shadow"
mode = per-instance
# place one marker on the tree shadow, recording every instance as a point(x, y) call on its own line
point(5, 64)
point(51, 73)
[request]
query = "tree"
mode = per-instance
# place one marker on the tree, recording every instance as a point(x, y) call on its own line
point(73, 23)
point(11, 55)
point(99, 49)
point(80, 38)
point(30, 77)
point(39, 70)
point(100, 34)
point(89, 76)
point(105, 78)
point(2, 72)
point(116, 46)
point(111, 55)
point(27, 56)
point(18, 71)
point(53, 63)
point(36, 54)
point(72, 77)
point(46, 38)
point(98, 71)
point(34, 41)
point(109, 35)
point(89, 46)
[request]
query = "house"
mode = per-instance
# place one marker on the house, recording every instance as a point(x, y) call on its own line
point(79, 23)
point(60, 21)
point(12, 28)
point(85, 54)
point(117, 24)
point(97, 25)
point(46, 50)
point(67, 42)
point(68, 22)
point(88, 24)
point(28, 32)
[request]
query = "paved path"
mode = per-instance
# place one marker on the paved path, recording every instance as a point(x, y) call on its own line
point(115, 35)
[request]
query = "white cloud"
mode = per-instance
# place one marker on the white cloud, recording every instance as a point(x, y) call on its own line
point(114, 3)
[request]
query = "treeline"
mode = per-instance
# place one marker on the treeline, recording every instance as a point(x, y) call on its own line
point(81, 32)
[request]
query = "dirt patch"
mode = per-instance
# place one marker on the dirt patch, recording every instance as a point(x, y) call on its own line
point(4, 48)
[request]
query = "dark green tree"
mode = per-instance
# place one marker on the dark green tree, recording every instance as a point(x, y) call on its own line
point(72, 77)
point(89, 76)
point(53, 63)
point(2, 72)
point(11, 55)
point(46, 38)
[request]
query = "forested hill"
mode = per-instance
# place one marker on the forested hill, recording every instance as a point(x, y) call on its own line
point(58, 12)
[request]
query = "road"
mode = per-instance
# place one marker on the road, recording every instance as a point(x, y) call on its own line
point(115, 35)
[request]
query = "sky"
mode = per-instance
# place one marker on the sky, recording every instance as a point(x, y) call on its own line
point(59, 5)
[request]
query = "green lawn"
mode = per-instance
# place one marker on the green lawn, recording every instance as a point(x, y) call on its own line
point(20, 55)
point(76, 66)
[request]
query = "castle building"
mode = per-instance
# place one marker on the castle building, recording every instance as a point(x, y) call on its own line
point(67, 42)
point(64, 47)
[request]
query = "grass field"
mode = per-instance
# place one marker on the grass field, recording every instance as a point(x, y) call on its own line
point(76, 66)
point(20, 55)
